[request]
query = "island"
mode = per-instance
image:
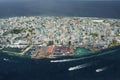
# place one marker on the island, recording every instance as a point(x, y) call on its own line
point(50, 37)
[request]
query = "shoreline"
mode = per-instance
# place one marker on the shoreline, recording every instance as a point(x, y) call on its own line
point(61, 16)
point(55, 56)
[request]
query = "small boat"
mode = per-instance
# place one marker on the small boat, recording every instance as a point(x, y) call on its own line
point(5, 59)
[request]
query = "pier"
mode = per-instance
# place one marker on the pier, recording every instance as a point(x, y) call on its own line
point(27, 49)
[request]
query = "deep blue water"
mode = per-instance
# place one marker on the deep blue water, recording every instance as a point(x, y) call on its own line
point(18, 68)
point(108, 9)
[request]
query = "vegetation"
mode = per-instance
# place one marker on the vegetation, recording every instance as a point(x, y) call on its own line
point(5, 33)
point(13, 31)
point(16, 31)
point(94, 34)
point(113, 43)
point(118, 34)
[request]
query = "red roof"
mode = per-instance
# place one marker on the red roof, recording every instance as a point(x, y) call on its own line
point(49, 49)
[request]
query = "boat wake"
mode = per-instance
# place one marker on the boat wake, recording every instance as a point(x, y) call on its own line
point(68, 60)
point(64, 60)
point(80, 66)
point(101, 69)
point(5, 59)
point(107, 52)
point(10, 60)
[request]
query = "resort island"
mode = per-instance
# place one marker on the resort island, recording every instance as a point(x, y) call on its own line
point(51, 37)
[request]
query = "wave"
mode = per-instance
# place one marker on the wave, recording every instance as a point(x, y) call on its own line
point(80, 66)
point(68, 60)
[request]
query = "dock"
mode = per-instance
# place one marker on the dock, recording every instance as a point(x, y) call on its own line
point(27, 49)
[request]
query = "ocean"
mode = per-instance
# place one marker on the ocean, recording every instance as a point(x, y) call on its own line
point(103, 66)
point(104, 9)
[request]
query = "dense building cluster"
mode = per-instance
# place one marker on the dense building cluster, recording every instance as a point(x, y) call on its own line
point(68, 31)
